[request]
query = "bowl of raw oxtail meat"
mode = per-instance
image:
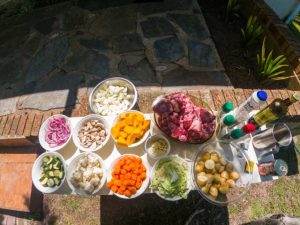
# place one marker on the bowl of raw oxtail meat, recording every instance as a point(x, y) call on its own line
point(185, 118)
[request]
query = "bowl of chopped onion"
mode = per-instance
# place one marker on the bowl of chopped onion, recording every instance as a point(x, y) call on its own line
point(113, 96)
point(55, 133)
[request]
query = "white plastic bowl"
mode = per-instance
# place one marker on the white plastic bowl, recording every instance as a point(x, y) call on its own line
point(189, 183)
point(143, 139)
point(144, 184)
point(36, 172)
point(72, 166)
point(80, 123)
point(151, 140)
point(42, 134)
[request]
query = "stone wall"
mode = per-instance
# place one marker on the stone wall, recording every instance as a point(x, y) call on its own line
point(282, 38)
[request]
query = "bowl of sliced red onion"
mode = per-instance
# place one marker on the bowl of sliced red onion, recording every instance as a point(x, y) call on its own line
point(55, 133)
point(185, 118)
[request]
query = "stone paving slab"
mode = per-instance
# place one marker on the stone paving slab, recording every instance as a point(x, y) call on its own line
point(16, 189)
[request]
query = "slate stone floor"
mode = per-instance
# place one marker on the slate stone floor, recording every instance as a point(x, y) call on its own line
point(56, 50)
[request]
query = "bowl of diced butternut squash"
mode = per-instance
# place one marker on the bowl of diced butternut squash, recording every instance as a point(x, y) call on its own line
point(130, 129)
point(128, 176)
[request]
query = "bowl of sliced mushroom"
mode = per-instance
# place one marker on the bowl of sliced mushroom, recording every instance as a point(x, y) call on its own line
point(219, 172)
point(91, 133)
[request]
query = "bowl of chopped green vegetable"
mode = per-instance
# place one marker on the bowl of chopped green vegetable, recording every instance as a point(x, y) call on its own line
point(48, 172)
point(170, 178)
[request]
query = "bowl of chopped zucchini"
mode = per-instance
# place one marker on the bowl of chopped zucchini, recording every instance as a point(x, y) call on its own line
point(48, 172)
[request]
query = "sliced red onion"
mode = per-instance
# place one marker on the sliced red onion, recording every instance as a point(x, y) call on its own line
point(57, 131)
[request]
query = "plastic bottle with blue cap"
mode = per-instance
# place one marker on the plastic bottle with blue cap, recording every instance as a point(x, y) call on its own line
point(257, 99)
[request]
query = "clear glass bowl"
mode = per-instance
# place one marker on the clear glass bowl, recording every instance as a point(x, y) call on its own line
point(233, 154)
point(198, 102)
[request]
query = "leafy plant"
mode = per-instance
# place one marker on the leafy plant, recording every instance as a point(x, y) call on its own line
point(252, 31)
point(231, 9)
point(295, 25)
point(268, 67)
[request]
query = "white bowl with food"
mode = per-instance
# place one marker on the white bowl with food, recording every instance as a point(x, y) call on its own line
point(113, 96)
point(86, 173)
point(139, 129)
point(157, 146)
point(55, 132)
point(91, 133)
point(48, 172)
point(170, 178)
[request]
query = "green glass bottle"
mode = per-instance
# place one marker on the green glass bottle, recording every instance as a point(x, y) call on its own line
point(277, 109)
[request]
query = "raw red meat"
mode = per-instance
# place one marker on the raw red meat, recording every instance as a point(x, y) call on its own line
point(180, 118)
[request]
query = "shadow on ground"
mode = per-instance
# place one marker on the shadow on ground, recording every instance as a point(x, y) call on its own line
point(151, 209)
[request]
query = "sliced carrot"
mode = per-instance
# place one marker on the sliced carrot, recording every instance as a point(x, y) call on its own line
point(125, 182)
point(122, 177)
point(114, 188)
point(133, 176)
point(122, 188)
point(143, 176)
point(128, 176)
point(123, 171)
point(132, 189)
point(127, 193)
point(110, 184)
point(138, 184)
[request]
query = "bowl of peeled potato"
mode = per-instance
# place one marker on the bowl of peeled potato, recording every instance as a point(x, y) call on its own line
point(221, 172)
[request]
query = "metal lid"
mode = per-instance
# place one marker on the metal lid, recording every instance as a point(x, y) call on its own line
point(229, 120)
point(280, 167)
point(262, 95)
point(236, 133)
point(227, 107)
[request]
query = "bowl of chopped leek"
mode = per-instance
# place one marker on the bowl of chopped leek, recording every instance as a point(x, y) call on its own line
point(48, 172)
point(113, 96)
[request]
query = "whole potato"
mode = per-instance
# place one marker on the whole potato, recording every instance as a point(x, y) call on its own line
point(234, 175)
point(224, 188)
point(202, 173)
point(225, 174)
point(213, 191)
point(222, 168)
point(205, 189)
point(208, 175)
point(212, 197)
point(213, 171)
point(216, 185)
point(214, 157)
point(222, 180)
point(229, 167)
point(209, 164)
point(205, 156)
point(217, 178)
point(218, 166)
point(230, 182)
point(201, 180)
point(223, 161)
point(199, 168)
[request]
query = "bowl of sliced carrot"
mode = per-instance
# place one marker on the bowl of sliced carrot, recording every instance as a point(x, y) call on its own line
point(128, 176)
point(130, 129)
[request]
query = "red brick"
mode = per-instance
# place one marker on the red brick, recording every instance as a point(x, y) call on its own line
point(2, 124)
point(284, 95)
point(8, 125)
point(239, 96)
point(29, 124)
point(270, 97)
point(22, 124)
point(248, 92)
point(207, 98)
point(276, 94)
point(218, 98)
point(37, 124)
point(229, 96)
point(14, 125)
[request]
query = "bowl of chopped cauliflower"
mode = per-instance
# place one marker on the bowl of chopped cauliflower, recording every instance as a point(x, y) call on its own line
point(113, 96)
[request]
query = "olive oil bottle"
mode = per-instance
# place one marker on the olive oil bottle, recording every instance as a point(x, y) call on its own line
point(277, 109)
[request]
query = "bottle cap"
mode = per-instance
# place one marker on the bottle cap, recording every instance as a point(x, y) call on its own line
point(236, 133)
point(262, 95)
point(248, 128)
point(227, 107)
point(280, 167)
point(229, 120)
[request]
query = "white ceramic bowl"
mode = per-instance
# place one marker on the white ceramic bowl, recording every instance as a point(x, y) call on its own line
point(42, 134)
point(189, 185)
point(36, 172)
point(80, 123)
point(72, 166)
point(151, 140)
point(144, 184)
point(143, 139)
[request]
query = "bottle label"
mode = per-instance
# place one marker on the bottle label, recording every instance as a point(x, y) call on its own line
point(264, 117)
